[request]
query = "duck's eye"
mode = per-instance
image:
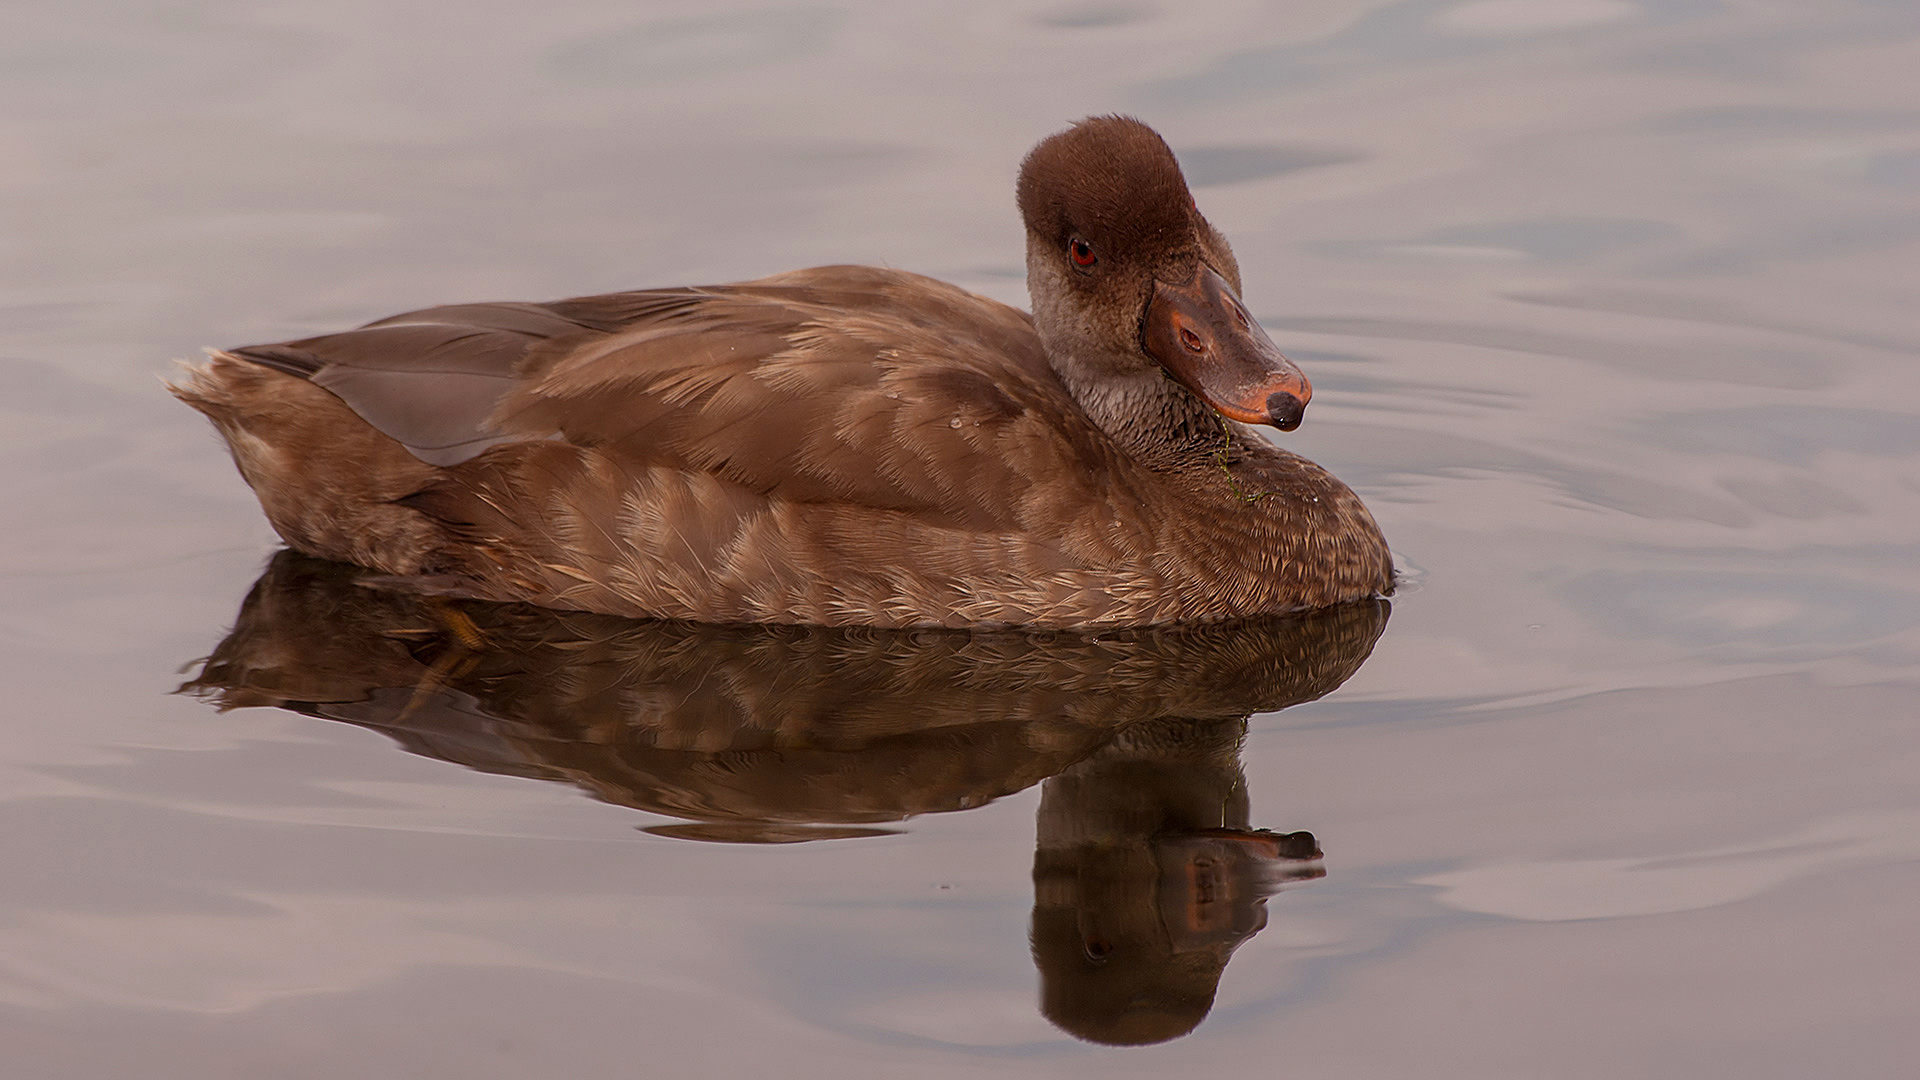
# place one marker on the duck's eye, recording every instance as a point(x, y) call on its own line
point(1081, 252)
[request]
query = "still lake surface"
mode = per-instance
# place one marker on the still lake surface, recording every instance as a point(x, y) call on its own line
point(1610, 309)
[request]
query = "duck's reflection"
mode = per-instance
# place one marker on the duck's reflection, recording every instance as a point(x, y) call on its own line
point(1146, 875)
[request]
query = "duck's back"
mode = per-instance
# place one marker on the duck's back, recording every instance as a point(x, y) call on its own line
point(833, 446)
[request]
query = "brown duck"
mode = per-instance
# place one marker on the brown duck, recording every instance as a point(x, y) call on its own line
point(840, 446)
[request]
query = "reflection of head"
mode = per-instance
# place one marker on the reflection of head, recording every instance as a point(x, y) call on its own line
point(1146, 879)
point(1137, 994)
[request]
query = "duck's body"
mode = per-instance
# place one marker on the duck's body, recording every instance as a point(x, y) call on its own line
point(838, 446)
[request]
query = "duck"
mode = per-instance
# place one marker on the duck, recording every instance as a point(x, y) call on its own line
point(837, 446)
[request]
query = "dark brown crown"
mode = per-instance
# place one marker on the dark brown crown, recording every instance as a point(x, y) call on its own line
point(1111, 180)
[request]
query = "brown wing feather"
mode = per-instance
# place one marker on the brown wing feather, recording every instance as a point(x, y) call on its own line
point(431, 379)
point(842, 384)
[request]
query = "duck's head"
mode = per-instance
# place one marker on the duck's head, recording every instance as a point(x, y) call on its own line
point(1130, 282)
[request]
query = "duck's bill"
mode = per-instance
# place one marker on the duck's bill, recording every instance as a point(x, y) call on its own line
point(1202, 336)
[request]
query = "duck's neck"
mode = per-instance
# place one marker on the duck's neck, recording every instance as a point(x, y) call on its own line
point(1154, 419)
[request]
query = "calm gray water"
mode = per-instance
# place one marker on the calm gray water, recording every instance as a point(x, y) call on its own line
point(1610, 310)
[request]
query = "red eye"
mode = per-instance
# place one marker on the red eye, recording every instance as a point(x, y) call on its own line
point(1082, 252)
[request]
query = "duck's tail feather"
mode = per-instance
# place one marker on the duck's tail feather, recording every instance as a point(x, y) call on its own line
point(328, 481)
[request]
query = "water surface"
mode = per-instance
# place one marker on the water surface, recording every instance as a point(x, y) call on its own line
point(1608, 306)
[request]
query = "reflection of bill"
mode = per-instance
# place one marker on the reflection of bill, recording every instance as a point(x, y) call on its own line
point(1146, 878)
point(1146, 875)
